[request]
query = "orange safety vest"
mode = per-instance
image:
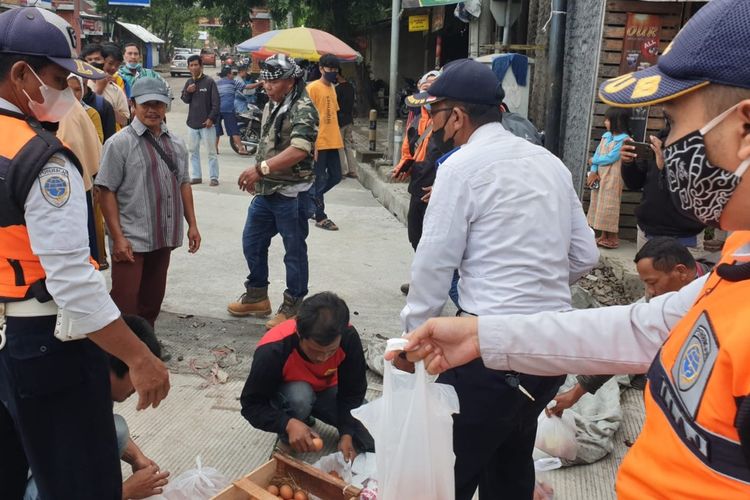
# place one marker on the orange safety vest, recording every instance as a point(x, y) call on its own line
point(689, 446)
point(412, 149)
point(25, 149)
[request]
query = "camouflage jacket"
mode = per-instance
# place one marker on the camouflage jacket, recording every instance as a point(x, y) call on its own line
point(294, 122)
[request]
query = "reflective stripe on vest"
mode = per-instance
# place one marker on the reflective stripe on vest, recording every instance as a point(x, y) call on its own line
point(720, 454)
point(690, 381)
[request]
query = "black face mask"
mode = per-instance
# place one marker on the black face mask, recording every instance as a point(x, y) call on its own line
point(441, 143)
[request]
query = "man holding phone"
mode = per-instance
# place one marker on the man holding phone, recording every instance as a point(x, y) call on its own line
point(643, 169)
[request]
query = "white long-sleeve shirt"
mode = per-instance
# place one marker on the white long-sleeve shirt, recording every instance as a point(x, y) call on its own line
point(58, 233)
point(616, 339)
point(504, 213)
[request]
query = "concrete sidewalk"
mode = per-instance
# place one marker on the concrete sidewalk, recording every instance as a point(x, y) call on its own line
point(594, 481)
point(365, 262)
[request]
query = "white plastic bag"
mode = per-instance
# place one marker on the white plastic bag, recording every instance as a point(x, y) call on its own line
point(356, 472)
point(201, 483)
point(557, 436)
point(412, 426)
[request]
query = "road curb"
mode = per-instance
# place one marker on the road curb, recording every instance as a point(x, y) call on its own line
point(392, 195)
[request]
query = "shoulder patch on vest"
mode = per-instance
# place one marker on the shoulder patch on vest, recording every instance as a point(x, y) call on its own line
point(695, 362)
point(55, 185)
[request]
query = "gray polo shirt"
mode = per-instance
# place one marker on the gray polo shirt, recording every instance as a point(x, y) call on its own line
point(148, 193)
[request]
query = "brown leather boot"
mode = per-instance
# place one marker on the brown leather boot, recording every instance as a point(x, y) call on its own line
point(287, 310)
point(254, 302)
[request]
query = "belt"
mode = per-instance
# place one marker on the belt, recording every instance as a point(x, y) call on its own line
point(24, 309)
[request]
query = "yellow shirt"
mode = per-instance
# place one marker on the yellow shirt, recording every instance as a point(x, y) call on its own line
point(79, 133)
point(324, 98)
point(97, 121)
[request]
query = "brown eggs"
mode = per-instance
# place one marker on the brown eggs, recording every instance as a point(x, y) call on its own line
point(300, 495)
point(273, 490)
point(317, 444)
point(286, 492)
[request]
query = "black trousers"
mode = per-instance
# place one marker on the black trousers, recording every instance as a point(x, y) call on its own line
point(493, 435)
point(415, 220)
point(56, 416)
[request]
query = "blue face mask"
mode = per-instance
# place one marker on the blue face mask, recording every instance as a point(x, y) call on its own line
point(132, 65)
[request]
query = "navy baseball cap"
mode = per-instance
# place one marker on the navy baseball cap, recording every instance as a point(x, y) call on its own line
point(713, 47)
point(463, 80)
point(31, 31)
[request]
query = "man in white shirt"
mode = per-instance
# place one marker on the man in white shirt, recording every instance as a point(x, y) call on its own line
point(504, 213)
point(695, 441)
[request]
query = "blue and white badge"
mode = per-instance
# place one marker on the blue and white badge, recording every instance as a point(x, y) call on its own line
point(694, 364)
point(55, 185)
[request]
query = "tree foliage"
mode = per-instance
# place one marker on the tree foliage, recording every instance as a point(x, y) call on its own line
point(234, 16)
point(175, 24)
point(339, 17)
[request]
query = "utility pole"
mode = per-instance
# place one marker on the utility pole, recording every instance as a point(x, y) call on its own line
point(555, 69)
point(395, 15)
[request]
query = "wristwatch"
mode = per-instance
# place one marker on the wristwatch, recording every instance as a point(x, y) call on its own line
point(264, 168)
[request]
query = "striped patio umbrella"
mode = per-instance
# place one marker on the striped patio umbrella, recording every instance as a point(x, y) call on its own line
point(301, 43)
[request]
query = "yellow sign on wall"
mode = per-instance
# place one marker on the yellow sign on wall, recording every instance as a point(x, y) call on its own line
point(419, 23)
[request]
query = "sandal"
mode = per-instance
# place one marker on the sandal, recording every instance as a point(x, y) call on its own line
point(327, 224)
point(609, 244)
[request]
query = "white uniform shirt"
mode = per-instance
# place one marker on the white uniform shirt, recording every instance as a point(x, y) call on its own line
point(504, 213)
point(58, 230)
point(619, 339)
point(616, 339)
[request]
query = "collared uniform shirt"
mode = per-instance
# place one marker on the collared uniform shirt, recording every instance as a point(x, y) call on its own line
point(59, 237)
point(504, 213)
point(148, 193)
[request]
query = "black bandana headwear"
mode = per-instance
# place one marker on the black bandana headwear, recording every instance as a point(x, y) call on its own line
point(278, 67)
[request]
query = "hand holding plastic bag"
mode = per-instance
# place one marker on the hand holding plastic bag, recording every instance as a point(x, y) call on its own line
point(194, 484)
point(556, 436)
point(412, 424)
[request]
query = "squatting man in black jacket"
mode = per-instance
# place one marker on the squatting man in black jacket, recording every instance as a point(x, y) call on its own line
point(311, 366)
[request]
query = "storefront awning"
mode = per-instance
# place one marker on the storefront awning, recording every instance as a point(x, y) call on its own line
point(141, 33)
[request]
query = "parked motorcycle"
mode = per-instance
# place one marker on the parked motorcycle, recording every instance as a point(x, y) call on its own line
point(409, 88)
point(249, 124)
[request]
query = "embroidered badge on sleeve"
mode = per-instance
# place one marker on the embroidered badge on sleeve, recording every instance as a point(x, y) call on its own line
point(55, 185)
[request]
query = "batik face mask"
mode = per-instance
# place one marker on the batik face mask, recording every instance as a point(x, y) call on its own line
point(699, 189)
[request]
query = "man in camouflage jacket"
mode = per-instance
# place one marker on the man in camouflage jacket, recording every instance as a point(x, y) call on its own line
point(281, 180)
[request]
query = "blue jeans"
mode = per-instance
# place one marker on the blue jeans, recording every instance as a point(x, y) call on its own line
point(453, 292)
point(268, 216)
point(327, 175)
point(208, 137)
point(300, 401)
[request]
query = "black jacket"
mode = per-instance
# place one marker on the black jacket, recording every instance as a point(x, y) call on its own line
point(656, 215)
point(267, 376)
point(203, 103)
point(105, 110)
point(345, 97)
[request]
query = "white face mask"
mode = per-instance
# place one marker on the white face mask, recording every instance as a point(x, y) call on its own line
point(57, 103)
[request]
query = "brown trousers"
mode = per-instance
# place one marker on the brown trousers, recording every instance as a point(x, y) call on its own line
point(138, 287)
